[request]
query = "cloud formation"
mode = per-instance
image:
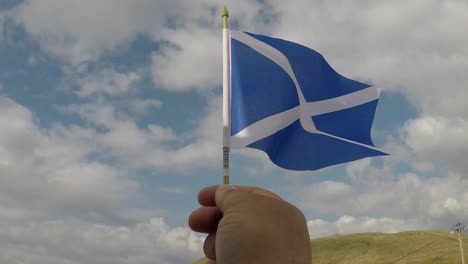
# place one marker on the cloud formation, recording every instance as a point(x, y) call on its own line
point(398, 199)
point(84, 30)
point(108, 82)
point(349, 225)
point(48, 169)
point(54, 200)
point(439, 138)
point(153, 146)
point(57, 242)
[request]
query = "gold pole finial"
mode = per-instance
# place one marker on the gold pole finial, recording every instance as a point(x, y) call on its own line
point(225, 16)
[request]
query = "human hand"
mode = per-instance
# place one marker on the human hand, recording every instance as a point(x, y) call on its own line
point(250, 225)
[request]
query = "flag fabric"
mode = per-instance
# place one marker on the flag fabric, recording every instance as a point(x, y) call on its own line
point(287, 101)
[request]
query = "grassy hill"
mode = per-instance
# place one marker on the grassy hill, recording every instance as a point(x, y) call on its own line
point(415, 247)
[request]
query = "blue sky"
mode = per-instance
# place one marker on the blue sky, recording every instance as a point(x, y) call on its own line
point(110, 122)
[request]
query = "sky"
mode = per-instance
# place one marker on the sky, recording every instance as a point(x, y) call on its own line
point(110, 122)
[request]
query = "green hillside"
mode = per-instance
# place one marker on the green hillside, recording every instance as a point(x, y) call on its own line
point(415, 247)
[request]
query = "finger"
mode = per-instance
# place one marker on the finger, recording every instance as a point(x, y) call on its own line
point(206, 196)
point(211, 261)
point(204, 219)
point(227, 195)
point(209, 246)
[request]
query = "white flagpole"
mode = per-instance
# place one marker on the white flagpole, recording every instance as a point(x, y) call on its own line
point(226, 96)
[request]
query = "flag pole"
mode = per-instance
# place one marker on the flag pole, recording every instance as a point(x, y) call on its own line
point(226, 95)
point(460, 243)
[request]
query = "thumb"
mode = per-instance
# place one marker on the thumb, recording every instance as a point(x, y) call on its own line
point(225, 196)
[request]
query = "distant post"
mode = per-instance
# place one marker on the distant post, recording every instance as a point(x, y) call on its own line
point(459, 227)
point(461, 247)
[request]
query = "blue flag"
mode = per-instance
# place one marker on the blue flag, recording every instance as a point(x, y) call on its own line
point(287, 101)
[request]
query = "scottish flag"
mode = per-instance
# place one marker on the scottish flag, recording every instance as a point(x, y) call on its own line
point(287, 101)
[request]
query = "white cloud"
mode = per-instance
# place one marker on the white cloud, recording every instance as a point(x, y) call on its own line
point(191, 58)
point(201, 148)
point(84, 30)
point(423, 166)
point(409, 202)
point(126, 138)
point(154, 146)
point(83, 242)
point(379, 193)
point(439, 139)
point(326, 197)
point(141, 107)
point(191, 61)
point(98, 113)
point(57, 207)
point(108, 82)
point(46, 170)
point(348, 224)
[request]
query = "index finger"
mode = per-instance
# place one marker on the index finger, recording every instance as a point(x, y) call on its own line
point(206, 197)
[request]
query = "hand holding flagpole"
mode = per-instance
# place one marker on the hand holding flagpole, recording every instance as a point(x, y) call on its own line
point(226, 96)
